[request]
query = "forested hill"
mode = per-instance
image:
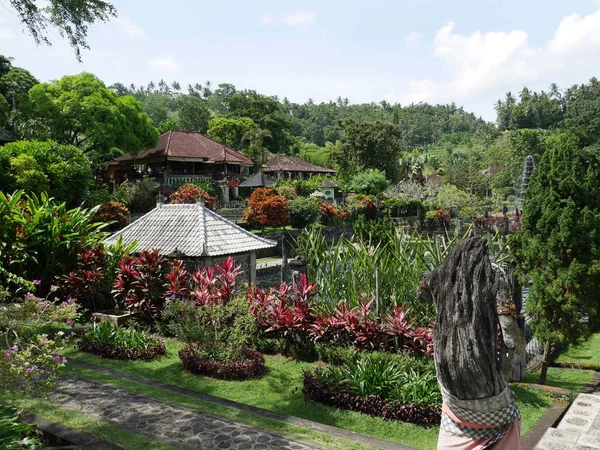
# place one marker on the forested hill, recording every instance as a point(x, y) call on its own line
point(290, 123)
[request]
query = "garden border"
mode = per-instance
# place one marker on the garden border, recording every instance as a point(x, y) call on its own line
point(68, 435)
point(327, 429)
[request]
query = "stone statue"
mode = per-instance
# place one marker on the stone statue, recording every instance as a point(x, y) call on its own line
point(476, 342)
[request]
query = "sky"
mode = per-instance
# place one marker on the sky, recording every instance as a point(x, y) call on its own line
point(401, 51)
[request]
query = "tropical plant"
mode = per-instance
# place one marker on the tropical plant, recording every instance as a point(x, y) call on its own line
point(15, 433)
point(139, 283)
point(118, 342)
point(266, 209)
point(40, 239)
point(190, 193)
point(114, 213)
point(303, 211)
point(369, 182)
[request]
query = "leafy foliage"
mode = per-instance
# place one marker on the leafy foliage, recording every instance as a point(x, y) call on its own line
point(303, 212)
point(140, 196)
point(40, 239)
point(16, 434)
point(559, 243)
point(107, 341)
point(190, 193)
point(139, 283)
point(113, 211)
point(62, 171)
point(369, 182)
point(266, 209)
point(253, 366)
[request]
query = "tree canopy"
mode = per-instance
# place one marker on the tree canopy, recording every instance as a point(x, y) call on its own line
point(70, 17)
point(79, 110)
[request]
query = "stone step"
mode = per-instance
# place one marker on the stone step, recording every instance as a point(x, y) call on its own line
point(579, 429)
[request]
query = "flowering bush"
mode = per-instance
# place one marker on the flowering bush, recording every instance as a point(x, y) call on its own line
point(113, 211)
point(139, 283)
point(190, 193)
point(330, 215)
point(438, 218)
point(29, 361)
point(266, 209)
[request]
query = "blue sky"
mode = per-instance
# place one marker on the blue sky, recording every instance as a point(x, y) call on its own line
point(469, 52)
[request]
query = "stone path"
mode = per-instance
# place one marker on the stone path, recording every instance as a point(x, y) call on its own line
point(579, 429)
point(174, 425)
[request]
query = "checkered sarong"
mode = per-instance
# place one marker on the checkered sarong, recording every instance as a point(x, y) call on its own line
point(494, 415)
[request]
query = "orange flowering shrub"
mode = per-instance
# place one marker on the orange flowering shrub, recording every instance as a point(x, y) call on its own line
point(329, 214)
point(113, 210)
point(189, 193)
point(267, 209)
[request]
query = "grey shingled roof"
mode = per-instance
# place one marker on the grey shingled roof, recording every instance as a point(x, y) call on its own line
point(192, 229)
point(259, 179)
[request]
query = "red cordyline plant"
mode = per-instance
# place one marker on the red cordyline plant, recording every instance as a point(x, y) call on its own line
point(286, 311)
point(140, 283)
point(83, 284)
point(212, 285)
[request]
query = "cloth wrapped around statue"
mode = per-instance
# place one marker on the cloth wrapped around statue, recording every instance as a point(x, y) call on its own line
point(479, 424)
point(479, 409)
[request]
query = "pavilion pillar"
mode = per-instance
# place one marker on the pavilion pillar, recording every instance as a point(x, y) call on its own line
point(252, 267)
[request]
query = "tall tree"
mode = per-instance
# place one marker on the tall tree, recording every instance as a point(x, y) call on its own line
point(560, 245)
point(232, 131)
point(370, 145)
point(70, 17)
point(193, 113)
point(79, 110)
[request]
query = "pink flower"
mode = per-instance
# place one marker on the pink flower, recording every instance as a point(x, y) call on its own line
point(7, 354)
point(64, 360)
point(14, 348)
point(56, 358)
point(37, 282)
point(69, 321)
point(29, 370)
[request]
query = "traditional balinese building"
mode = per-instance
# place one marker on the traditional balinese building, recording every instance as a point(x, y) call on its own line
point(292, 167)
point(259, 179)
point(182, 156)
point(194, 234)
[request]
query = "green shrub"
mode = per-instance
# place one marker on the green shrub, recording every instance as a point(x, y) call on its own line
point(222, 332)
point(405, 207)
point(139, 197)
point(120, 343)
point(15, 434)
point(369, 182)
point(388, 380)
point(303, 212)
point(65, 167)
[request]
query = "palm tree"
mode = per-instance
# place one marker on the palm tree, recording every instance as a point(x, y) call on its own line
point(256, 151)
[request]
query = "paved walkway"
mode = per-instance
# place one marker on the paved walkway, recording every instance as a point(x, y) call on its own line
point(579, 429)
point(174, 425)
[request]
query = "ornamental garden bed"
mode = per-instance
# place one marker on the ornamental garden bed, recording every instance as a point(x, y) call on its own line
point(115, 342)
point(253, 366)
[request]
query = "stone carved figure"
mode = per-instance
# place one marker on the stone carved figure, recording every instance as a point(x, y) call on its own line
point(472, 365)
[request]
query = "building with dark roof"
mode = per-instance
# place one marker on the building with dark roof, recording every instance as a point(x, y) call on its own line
point(181, 156)
point(291, 167)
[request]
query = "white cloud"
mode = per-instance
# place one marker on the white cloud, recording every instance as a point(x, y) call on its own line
point(299, 18)
point(129, 28)
point(167, 64)
point(486, 63)
point(414, 38)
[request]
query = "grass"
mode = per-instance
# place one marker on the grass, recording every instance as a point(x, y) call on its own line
point(233, 414)
point(281, 391)
point(584, 354)
point(83, 423)
point(571, 379)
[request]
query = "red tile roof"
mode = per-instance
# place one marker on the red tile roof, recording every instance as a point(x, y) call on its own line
point(184, 144)
point(286, 163)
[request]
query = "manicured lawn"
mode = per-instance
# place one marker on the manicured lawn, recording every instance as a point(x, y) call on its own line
point(586, 353)
point(85, 424)
point(281, 391)
point(571, 379)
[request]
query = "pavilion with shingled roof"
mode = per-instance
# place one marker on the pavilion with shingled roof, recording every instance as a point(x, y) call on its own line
point(195, 234)
point(292, 167)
